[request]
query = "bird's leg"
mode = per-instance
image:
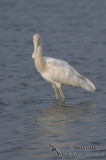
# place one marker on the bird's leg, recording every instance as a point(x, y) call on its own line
point(61, 93)
point(56, 92)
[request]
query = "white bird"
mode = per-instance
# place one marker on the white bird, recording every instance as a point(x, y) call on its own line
point(58, 72)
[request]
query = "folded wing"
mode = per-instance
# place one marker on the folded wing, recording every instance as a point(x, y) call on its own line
point(61, 72)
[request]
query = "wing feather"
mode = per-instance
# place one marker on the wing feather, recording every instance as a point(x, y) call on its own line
point(60, 71)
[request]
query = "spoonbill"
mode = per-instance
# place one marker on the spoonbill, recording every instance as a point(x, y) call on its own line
point(58, 72)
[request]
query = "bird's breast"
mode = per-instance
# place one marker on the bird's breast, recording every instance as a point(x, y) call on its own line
point(40, 65)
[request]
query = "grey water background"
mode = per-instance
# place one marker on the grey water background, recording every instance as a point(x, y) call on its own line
point(30, 119)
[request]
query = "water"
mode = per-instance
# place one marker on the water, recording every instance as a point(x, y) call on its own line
point(31, 122)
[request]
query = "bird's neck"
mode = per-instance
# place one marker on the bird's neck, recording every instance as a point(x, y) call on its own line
point(40, 64)
point(37, 56)
point(37, 53)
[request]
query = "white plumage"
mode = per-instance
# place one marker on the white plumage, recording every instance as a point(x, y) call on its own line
point(58, 72)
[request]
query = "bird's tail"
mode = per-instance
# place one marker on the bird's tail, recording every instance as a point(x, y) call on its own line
point(87, 84)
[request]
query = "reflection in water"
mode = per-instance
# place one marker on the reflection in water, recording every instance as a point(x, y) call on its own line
point(64, 127)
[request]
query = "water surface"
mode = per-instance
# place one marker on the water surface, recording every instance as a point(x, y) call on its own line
point(31, 122)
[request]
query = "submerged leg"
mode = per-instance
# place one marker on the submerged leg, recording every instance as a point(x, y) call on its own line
point(61, 93)
point(56, 92)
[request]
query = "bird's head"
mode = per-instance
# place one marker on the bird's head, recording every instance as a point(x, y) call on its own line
point(36, 39)
point(37, 45)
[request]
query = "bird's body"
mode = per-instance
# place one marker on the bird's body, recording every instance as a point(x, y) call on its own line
point(58, 72)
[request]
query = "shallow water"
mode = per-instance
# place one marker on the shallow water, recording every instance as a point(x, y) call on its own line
point(32, 124)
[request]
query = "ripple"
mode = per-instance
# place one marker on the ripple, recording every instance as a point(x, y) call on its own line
point(95, 143)
point(3, 103)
